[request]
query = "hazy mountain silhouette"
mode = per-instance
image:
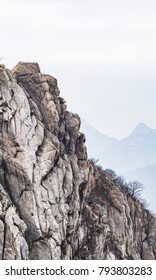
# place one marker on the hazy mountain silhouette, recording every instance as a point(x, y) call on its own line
point(133, 157)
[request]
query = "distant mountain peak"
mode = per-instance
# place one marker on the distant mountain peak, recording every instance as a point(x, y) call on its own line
point(141, 128)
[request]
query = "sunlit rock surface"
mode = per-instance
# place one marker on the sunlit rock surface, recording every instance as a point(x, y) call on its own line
point(54, 202)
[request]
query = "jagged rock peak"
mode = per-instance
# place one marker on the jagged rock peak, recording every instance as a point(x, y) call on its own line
point(54, 202)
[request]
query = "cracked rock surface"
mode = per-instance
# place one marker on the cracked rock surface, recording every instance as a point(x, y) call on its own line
point(54, 203)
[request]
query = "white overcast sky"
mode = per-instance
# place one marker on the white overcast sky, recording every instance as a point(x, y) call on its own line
point(103, 53)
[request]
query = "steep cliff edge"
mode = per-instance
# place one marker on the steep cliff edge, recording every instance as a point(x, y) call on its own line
point(54, 202)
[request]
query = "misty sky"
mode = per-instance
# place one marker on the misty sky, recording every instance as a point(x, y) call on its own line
point(103, 53)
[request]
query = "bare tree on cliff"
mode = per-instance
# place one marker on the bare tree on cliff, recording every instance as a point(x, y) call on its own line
point(135, 188)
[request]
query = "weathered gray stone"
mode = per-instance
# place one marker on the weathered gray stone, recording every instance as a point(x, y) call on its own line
point(55, 203)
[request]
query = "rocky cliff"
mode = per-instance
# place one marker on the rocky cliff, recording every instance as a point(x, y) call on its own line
point(54, 202)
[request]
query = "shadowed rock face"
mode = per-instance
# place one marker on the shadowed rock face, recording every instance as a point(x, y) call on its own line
point(54, 203)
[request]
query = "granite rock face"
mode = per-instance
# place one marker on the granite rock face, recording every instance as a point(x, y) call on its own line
point(54, 202)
